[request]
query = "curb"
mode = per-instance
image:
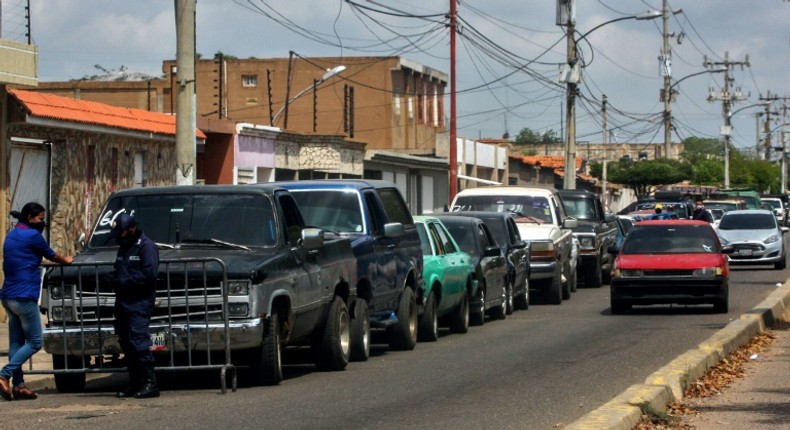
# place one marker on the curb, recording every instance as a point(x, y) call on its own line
point(668, 383)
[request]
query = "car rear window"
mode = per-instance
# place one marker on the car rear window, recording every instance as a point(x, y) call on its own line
point(748, 221)
point(670, 239)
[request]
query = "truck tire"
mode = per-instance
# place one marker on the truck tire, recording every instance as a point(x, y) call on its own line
point(360, 331)
point(333, 350)
point(403, 336)
point(521, 301)
point(459, 321)
point(266, 364)
point(592, 274)
point(68, 382)
point(566, 286)
point(428, 330)
point(509, 298)
point(478, 317)
point(553, 292)
point(500, 312)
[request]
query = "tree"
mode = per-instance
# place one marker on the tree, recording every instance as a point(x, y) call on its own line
point(643, 175)
point(696, 149)
point(528, 136)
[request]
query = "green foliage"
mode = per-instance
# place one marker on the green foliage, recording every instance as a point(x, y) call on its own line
point(643, 175)
point(708, 172)
point(528, 136)
point(696, 149)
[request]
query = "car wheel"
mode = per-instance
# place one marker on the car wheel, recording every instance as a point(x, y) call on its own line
point(509, 298)
point(428, 331)
point(334, 347)
point(521, 301)
point(500, 311)
point(403, 336)
point(479, 315)
point(781, 264)
point(459, 323)
point(360, 331)
point(606, 277)
point(553, 293)
point(566, 286)
point(620, 307)
point(266, 364)
point(68, 382)
point(574, 280)
point(592, 274)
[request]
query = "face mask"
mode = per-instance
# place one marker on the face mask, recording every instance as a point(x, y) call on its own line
point(39, 226)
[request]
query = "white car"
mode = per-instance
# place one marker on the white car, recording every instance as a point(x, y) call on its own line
point(756, 237)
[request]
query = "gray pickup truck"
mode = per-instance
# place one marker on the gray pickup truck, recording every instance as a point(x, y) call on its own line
point(276, 283)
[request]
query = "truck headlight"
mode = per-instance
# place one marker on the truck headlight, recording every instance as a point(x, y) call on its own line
point(238, 288)
point(587, 242)
point(62, 313)
point(707, 272)
point(61, 291)
point(238, 309)
point(631, 273)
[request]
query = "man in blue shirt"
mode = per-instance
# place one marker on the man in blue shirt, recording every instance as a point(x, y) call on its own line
point(23, 249)
point(660, 214)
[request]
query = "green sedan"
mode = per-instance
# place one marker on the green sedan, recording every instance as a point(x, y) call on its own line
point(448, 280)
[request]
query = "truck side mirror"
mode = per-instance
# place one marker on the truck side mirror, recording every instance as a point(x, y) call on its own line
point(609, 218)
point(312, 238)
point(570, 223)
point(81, 240)
point(394, 229)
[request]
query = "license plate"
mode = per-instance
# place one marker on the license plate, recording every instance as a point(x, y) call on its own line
point(745, 252)
point(158, 342)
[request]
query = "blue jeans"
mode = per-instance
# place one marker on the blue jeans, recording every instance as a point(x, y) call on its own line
point(24, 334)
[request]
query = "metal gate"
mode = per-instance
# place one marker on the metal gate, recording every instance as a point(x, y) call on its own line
point(189, 327)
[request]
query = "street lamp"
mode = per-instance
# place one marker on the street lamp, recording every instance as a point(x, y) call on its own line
point(726, 131)
point(329, 74)
point(572, 77)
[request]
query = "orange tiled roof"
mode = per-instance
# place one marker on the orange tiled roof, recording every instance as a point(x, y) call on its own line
point(50, 106)
point(549, 161)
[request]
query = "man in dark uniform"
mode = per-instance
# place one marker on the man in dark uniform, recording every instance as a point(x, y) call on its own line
point(136, 267)
point(700, 213)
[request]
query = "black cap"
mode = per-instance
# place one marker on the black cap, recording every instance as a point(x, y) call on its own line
point(123, 222)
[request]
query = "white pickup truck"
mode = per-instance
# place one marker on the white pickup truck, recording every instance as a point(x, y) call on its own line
point(542, 221)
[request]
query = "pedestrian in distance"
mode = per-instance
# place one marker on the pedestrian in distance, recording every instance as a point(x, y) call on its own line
point(702, 214)
point(23, 250)
point(660, 214)
point(134, 280)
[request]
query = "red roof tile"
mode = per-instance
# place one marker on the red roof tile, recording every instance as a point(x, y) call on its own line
point(549, 161)
point(50, 106)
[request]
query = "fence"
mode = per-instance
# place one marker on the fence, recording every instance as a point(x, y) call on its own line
point(189, 328)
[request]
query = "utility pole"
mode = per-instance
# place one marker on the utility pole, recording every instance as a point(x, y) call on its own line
point(605, 151)
point(453, 129)
point(572, 79)
point(727, 100)
point(186, 119)
point(784, 146)
point(666, 71)
point(767, 124)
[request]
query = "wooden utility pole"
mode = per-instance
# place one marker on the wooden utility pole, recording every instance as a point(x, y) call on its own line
point(605, 152)
point(453, 130)
point(569, 180)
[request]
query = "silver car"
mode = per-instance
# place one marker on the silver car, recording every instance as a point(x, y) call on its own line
point(756, 237)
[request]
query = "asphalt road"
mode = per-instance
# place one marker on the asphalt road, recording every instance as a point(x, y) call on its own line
point(541, 368)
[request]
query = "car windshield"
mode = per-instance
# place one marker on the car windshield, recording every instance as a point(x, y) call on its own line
point(670, 239)
point(497, 229)
point(776, 204)
point(464, 236)
point(241, 219)
point(579, 207)
point(748, 221)
point(535, 207)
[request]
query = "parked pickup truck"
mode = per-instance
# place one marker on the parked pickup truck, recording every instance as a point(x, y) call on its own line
point(374, 216)
point(596, 232)
point(280, 283)
point(542, 221)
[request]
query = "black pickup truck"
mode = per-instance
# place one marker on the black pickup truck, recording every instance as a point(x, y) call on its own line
point(374, 216)
point(277, 282)
point(595, 231)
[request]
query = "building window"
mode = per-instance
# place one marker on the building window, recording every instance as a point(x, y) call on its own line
point(139, 169)
point(249, 81)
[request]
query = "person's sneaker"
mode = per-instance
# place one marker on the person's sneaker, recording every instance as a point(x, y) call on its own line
point(24, 393)
point(5, 388)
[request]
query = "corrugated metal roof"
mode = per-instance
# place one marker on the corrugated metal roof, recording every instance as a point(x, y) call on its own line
point(59, 108)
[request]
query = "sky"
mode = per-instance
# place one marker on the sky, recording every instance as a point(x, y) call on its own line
point(508, 53)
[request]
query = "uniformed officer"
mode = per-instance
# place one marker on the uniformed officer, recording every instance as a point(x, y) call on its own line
point(136, 267)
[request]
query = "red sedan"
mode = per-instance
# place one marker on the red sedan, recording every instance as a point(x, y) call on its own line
point(672, 261)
